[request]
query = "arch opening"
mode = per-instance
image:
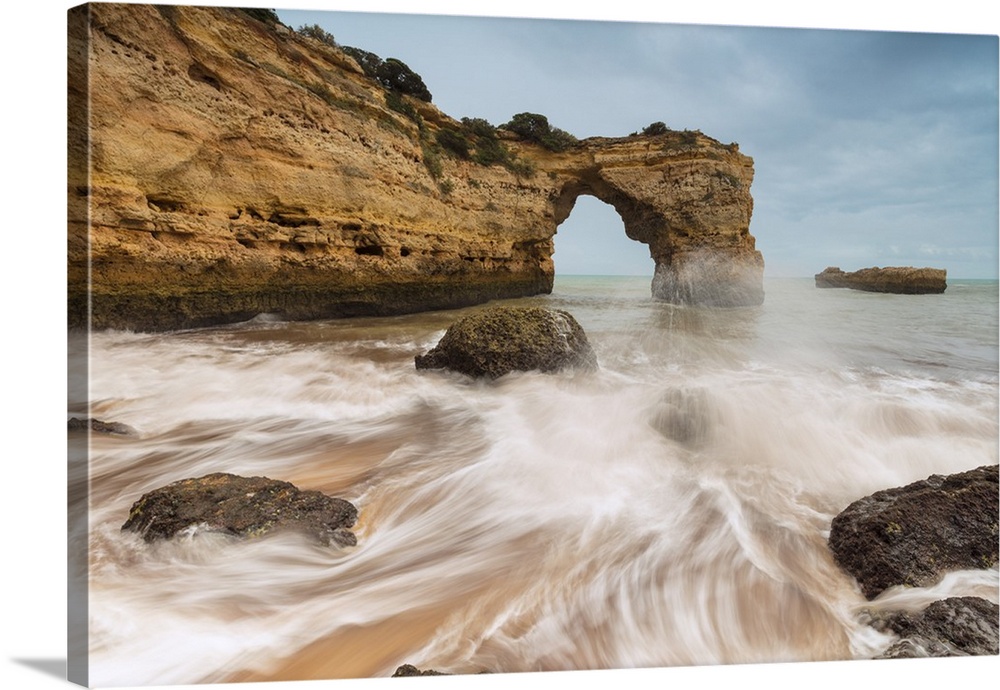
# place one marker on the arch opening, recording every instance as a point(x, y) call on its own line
point(592, 241)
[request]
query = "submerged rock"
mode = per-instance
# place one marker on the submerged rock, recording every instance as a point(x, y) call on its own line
point(687, 416)
point(904, 280)
point(959, 626)
point(499, 340)
point(241, 506)
point(100, 427)
point(914, 534)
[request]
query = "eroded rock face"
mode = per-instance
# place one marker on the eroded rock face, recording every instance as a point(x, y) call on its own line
point(904, 280)
point(958, 626)
point(221, 167)
point(914, 534)
point(241, 506)
point(499, 340)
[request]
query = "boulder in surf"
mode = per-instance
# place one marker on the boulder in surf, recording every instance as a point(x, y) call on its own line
point(498, 340)
point(241, 506)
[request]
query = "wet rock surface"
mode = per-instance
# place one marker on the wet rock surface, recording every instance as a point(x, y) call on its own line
point(914, 534)
point(904, 280)
point(100, 427)
point(410, 670)
point(499, 340)
point(241, 506)
point(959, 626)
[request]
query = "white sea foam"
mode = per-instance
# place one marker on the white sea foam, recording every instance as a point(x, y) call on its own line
point(669, 508)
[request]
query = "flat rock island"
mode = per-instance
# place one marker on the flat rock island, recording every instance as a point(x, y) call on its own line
point(904, 280)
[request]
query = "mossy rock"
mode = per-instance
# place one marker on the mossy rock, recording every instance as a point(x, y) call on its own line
point(498, 340)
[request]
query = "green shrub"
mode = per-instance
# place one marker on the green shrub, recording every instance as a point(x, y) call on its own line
point(536, 128)
point(479, 127)
point(689, 137)
point(432, 159)
point(454, 143)
point(369, 62)
point(394, 75)
point(655, 128)
point(391, 73)
point(319, 33)
point(395, 101)
point(261, 14)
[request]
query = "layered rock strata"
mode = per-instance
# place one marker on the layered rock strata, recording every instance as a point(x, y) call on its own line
point(904, 280)
point(221, 167)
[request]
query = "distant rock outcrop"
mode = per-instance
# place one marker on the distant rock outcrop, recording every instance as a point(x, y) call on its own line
point(222, 167)
point(499, 340)
point(959, 626)
point(241, 506)
point(904, 280)
point(914, 534)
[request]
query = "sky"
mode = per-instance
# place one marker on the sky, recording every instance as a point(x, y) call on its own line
point(870, 148)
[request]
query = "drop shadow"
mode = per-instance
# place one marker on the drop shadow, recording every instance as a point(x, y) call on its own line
point(52, 667)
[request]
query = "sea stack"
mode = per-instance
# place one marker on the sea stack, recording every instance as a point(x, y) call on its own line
point(903, 280)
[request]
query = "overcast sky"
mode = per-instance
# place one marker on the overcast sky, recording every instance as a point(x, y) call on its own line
point(870, 147)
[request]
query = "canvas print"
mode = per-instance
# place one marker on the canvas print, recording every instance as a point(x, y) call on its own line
point(414, 345)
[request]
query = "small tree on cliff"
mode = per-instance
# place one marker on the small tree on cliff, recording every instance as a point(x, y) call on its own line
point(261, 14)
point(319, 33)
point(394, 75)
point(655, 128)
point(367, 61)
point(536, 128)
point(391, 73)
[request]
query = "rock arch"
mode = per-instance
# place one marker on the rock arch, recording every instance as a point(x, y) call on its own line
point(689, 204)
point(275, 193)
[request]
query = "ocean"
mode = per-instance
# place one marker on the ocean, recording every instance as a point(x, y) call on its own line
point(668, 509)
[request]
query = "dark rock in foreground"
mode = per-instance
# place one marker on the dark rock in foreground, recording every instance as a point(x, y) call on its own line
point(99, 427)
point(914, 534)
point(499, 340)
point(409, 670)
point(904, 280)
point(241, 506)
point(960, 626)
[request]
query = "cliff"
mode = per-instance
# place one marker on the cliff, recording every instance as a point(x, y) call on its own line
point(221, 166)
point(904, 280)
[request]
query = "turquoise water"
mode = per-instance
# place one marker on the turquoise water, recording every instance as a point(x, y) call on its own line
point(670, 508)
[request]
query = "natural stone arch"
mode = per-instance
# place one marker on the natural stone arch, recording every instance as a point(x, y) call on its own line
point(190, 206)
point(691, 209)
point(593, 239)
point(641, 223)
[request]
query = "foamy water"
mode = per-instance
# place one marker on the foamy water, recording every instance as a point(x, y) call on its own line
point(671, 508)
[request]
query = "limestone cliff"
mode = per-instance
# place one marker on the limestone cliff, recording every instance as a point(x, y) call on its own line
point(221, 166)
